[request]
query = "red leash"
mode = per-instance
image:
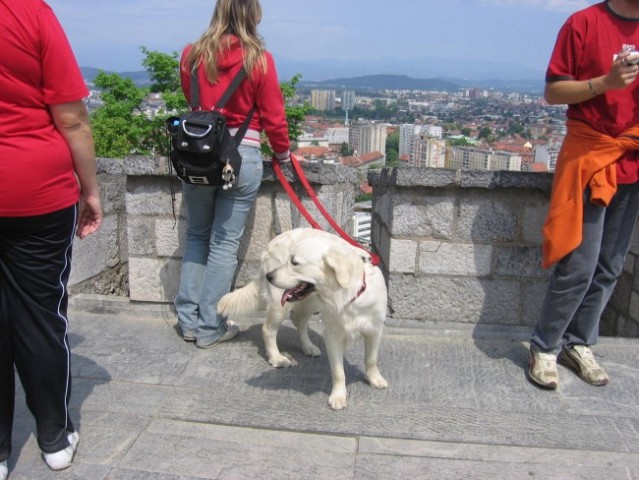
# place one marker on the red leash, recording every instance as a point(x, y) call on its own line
point(277, 168)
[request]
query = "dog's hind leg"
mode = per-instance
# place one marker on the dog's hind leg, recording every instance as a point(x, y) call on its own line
point(335, 341)
point(371, 347)
point(270, 327)
point(300, 316)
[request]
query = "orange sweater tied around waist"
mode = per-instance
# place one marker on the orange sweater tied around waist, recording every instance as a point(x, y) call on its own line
point(587, 158)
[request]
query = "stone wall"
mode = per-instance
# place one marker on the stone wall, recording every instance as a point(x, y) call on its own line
point(465, 246)
point(156, 222)
point(455, 246)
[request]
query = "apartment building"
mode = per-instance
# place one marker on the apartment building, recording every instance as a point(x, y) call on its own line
point(427, 152)
point(367, 137)
point(323, 99)
point(470, 158)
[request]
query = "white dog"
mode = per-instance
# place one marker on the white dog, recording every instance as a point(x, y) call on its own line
point(305, 271)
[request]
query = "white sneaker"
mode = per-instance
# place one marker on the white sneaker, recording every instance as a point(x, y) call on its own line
point(63, 458)
point(4, 470)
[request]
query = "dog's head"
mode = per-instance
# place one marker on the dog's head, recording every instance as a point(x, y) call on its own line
point(333, 270)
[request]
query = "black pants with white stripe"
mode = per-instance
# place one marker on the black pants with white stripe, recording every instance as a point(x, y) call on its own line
point(35, 260)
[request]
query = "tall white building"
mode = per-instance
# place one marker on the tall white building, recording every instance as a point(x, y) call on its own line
point(364, 137)
point(348, 100)
point(428, 152)
point(407, 132)
point(323, 99)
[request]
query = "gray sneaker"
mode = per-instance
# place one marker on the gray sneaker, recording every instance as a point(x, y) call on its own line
point(543, 369)
point(581, 359)
point(232, 330)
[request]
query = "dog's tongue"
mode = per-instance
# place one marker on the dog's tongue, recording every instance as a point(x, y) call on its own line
point(287, 295)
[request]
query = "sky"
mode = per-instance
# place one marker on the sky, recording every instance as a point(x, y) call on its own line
point(108, 34)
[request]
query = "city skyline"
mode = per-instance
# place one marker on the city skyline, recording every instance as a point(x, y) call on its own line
point(507, 37)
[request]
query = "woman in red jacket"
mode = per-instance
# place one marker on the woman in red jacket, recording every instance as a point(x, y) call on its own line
point(216, 217)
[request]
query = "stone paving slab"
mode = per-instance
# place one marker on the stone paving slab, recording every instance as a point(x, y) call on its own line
point(152, 407)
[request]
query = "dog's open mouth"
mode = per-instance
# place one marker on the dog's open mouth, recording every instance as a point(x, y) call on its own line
point(297, 293)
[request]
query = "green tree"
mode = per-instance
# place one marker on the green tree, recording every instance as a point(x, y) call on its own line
point(485, 132)
point(392, 149)
point(118, 126)
point(345, 150)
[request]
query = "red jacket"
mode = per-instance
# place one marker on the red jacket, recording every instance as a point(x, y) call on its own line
point(587, 159)
point(260, 89)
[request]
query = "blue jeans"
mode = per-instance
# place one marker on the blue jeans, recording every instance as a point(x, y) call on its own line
point(584, 280)
point(215, 224)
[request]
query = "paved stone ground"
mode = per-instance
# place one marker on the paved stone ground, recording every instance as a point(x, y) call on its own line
point(152, 407)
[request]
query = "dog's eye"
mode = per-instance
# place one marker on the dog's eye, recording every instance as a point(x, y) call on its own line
point(294, 262)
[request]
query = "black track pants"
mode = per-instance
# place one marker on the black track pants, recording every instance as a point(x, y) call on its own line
point(35, 261)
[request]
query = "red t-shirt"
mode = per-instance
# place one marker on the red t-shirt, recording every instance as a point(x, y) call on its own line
point(586, 47)
point(37, 69)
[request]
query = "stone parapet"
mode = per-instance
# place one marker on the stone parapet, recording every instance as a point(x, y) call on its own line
point(465, 246)
point(460, 246)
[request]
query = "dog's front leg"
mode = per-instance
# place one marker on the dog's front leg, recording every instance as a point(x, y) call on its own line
point(371, 348)
point(335, 345)
point(270, 327)
point(300, 317)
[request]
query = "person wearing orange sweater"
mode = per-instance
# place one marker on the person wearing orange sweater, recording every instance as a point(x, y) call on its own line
point(595, 197)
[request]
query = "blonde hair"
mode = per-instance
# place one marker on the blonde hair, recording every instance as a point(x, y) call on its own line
point(230, 17)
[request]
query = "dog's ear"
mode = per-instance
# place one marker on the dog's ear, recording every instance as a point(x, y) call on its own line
point(347, 267)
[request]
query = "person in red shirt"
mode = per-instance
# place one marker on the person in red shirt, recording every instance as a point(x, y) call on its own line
point(593, 69)
point(216, 217)
point(48, 192)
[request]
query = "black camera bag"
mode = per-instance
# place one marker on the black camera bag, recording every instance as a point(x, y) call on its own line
point(202, 150)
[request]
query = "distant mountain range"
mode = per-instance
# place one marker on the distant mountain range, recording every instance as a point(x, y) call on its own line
point(533, 84)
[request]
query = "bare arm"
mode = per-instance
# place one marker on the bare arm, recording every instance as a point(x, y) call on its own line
point(72, 121)
point(576, 91)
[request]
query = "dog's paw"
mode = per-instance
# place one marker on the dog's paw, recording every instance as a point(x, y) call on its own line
point(311, 350)
point(375, 379)
point(281, 360)
point(337, 400)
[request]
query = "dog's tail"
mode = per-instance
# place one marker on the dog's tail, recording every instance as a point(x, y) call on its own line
point(242, 302)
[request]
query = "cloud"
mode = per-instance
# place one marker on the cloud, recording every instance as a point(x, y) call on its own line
point(556, 5)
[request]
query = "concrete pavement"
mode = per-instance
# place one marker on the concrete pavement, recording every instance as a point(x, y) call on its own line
point(149, 406)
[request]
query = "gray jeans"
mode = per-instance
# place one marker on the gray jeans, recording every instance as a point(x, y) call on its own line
point(215, 223)
point(583, 281)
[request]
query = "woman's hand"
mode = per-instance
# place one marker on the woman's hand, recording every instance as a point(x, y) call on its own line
point(89, 215)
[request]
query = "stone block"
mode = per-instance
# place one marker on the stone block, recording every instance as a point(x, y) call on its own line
point(112, 193)
point(142, 235)
point(403, 256)
point(533, 293)
point(95, 253)
point(519, 262)
point(463, 300)
point(423, 216)
point(487, 218)
point(148, 196)
point(169, 237)
point(437, 258)
point(533, 220)
point(154, 280)
point(620, 299)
